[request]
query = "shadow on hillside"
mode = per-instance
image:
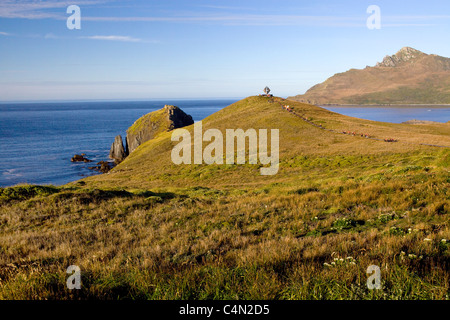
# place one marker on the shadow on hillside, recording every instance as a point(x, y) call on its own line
point(83, 196)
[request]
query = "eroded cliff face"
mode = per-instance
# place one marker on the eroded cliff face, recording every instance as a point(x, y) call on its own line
point(117, 151)
point(148, 127)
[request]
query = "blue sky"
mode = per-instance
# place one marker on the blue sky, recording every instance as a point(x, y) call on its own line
point(201, 49)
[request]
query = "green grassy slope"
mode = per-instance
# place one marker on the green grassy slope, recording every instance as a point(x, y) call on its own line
point(154, 230)
point(148, 119)
point(150, 165)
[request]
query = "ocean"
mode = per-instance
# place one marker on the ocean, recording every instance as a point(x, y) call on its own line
point(39, 139)
point(395, 114)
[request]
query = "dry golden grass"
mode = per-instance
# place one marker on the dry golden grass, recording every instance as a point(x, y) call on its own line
point(153, 230)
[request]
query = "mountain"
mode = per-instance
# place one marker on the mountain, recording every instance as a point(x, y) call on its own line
point(407, 77)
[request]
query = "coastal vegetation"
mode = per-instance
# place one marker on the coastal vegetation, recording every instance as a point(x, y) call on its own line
point(150, 229)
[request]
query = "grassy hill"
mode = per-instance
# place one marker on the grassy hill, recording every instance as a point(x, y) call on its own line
point(407, 77)
point(150, 229)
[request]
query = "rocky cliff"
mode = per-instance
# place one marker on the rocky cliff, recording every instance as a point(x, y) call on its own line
point(148, 127)
point(117, 151)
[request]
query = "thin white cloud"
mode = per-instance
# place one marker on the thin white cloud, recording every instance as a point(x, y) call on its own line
point(278, 20)
point(228, 7)
point(114, 38)
point(44, 9)
point(55, 9)
point(394, 25)
point(243, 19)
point(418, 17)
point(5, 33)
point(51, 36)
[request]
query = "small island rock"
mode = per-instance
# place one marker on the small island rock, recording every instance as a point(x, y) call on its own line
point(79, 158)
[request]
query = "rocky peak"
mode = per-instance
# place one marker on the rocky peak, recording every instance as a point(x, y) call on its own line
point(177, 117)
point(150, 125)
point(404, 55)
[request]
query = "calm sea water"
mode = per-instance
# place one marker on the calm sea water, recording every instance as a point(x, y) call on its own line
point(395, 114)
point(38, 139)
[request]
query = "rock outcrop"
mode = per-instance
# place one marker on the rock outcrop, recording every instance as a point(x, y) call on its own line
point(405, 54)
point(80, 158)
point(102, 166)
point(150, 125)
point(117, 151)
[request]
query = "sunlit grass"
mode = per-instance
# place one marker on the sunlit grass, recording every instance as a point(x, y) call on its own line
point(153, 230)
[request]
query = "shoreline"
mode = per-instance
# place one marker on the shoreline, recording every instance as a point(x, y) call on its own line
point(385, 105)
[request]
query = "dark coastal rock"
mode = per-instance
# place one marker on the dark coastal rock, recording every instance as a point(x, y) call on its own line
point(150, 125)
point(102, 166)
point(117, 151)
point(177, 117)
point(80, 158)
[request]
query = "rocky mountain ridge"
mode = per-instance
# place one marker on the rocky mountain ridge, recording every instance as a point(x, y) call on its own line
point(405, 55)
point(407, 77)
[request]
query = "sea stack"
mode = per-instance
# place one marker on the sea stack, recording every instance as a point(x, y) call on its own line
point(117, 151)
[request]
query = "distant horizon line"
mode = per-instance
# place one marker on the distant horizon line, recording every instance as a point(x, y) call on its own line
point(115, 100)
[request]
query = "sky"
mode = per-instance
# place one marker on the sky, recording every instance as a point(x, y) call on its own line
point(133, 50)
